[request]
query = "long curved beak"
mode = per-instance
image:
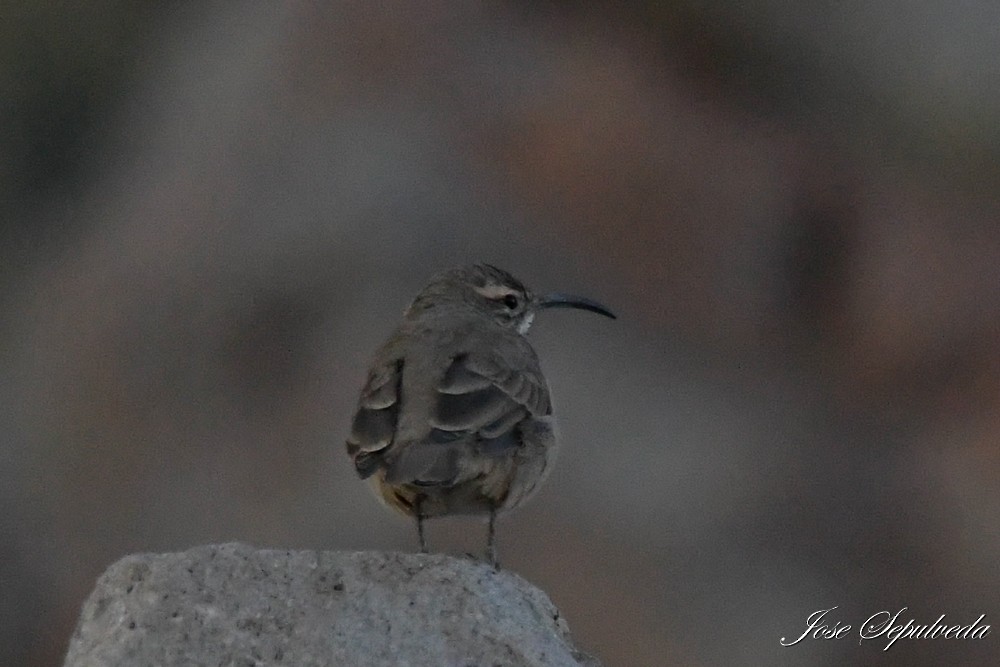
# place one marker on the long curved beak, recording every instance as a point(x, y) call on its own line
point(558, 300)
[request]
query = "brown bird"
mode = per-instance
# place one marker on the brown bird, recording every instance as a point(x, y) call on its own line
point(455, 416)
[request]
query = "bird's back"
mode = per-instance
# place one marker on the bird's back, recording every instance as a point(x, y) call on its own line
point(447, 409)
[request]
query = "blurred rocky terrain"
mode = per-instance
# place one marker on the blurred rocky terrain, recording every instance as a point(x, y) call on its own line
point(212, 214)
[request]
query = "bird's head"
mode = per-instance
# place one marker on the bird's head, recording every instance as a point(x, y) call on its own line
point(493, 292)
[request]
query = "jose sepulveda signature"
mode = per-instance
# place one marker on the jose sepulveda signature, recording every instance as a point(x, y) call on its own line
point(889, 626)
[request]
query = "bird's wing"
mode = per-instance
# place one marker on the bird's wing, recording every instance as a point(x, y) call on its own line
point(374, 424)
point(483, 393)
point(476, 407)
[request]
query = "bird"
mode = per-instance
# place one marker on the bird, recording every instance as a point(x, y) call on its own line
point(455, 415)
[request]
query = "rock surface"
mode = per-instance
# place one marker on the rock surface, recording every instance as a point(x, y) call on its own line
point(232, 604)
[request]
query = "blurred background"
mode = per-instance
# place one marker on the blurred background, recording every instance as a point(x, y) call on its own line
point(212, 213)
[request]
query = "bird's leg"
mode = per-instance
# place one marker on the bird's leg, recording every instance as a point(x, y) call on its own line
point(417, 506)
point(491, 544)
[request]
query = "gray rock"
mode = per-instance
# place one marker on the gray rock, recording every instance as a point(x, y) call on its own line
point(232, 604)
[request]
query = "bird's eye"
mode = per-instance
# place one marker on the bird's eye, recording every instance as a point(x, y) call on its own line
point(511, 301)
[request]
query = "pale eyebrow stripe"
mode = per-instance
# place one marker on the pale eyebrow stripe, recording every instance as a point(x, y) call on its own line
point(494, 291)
